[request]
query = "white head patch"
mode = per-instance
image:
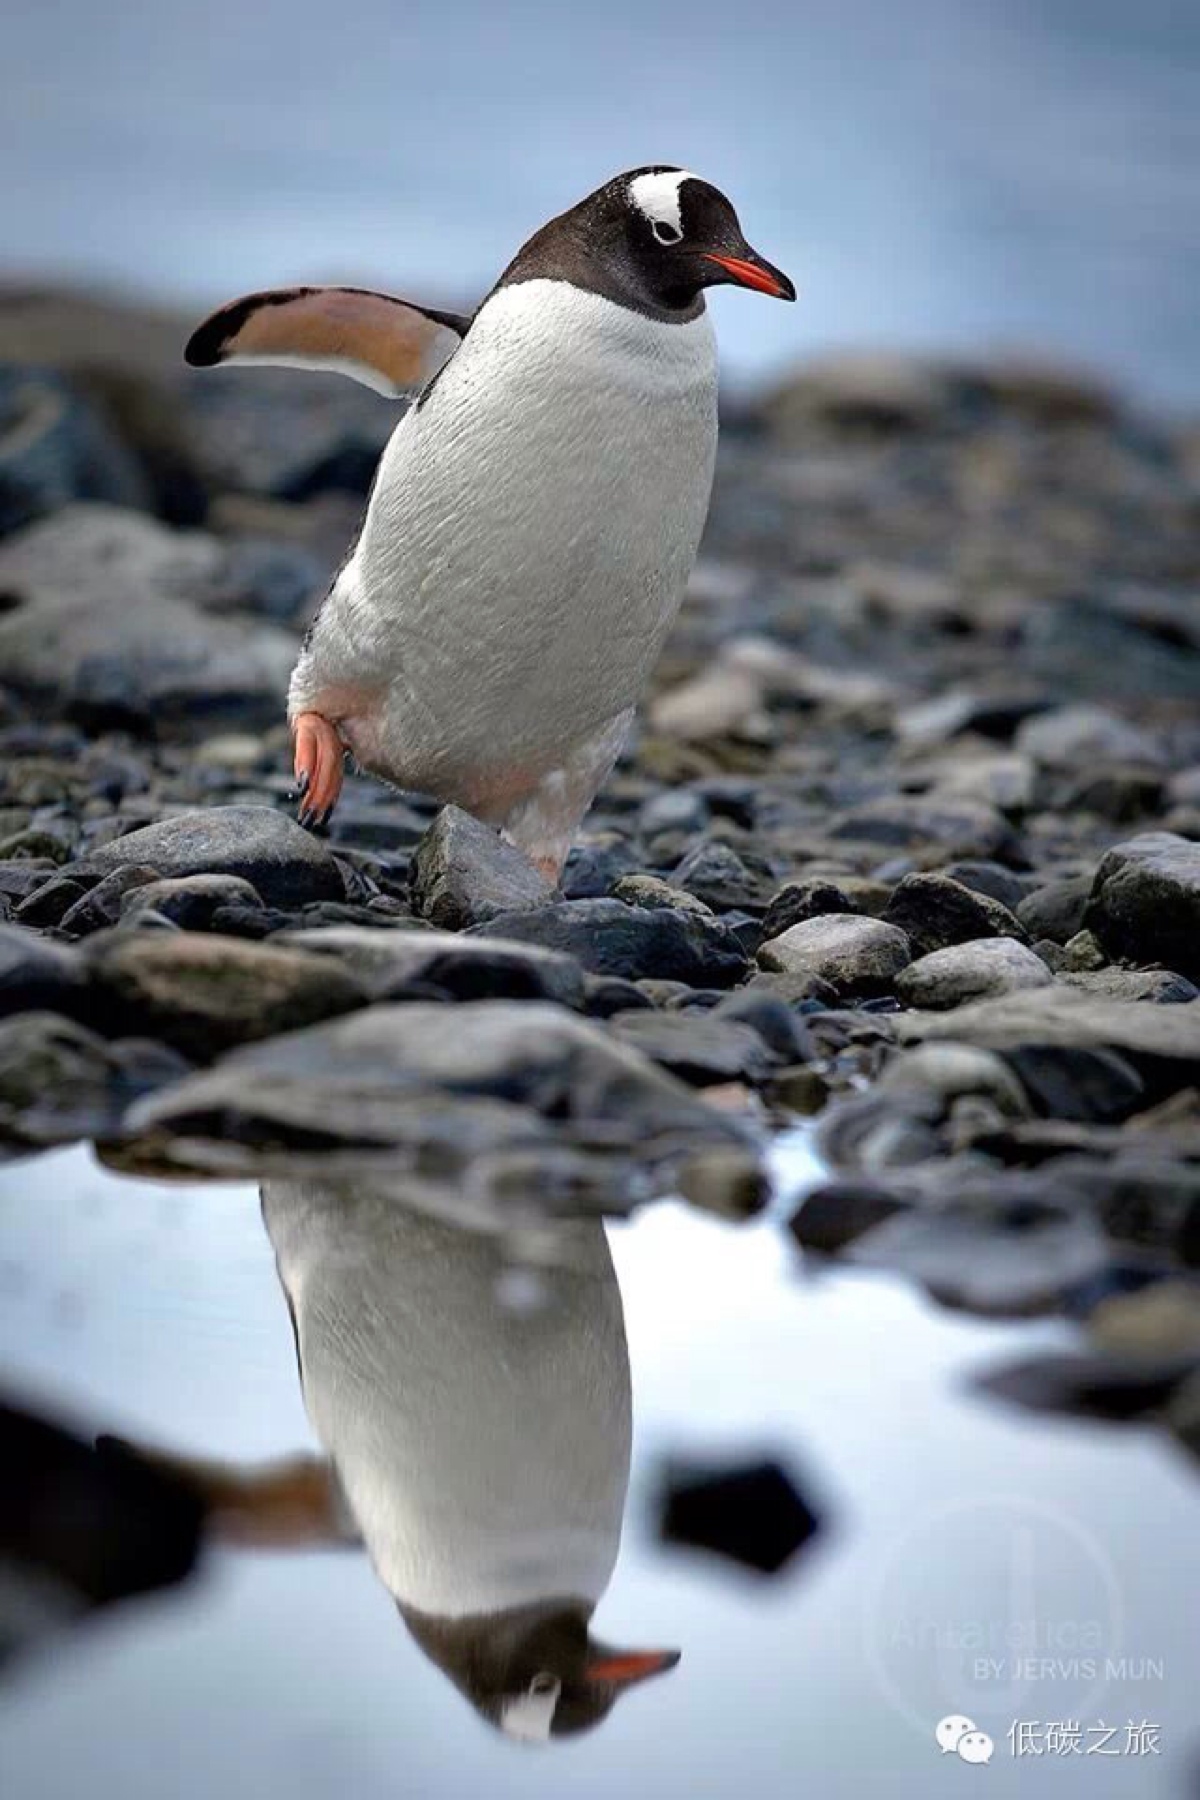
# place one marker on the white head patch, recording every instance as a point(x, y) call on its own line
point(530, 1716)
point(657, 197)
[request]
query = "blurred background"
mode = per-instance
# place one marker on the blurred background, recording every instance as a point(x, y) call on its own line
point(940, 173)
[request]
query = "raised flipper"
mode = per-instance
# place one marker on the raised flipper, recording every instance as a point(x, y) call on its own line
point(392, 345)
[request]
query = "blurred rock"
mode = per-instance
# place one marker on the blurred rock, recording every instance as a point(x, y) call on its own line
point(463, 873)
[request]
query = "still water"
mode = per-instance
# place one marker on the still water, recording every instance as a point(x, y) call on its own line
point(479, 1431)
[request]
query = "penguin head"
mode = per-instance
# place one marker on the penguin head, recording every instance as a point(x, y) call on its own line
point(684, 235)
point(653, 239)
point(535, 1672)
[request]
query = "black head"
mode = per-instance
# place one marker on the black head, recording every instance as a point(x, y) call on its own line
point(534, 1672)
point(654, 239)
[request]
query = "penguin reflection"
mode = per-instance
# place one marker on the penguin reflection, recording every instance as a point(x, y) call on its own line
point(479, 1450)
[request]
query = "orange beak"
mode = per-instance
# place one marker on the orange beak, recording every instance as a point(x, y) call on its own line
point(623, 1667)
point(757, 274)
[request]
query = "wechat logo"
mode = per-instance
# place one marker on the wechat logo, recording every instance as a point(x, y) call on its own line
point(958, 1733)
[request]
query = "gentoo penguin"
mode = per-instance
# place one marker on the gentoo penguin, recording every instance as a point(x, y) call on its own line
point(535, 514)
point(479, 1451)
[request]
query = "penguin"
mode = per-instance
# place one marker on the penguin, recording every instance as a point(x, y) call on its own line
point(535, 515)
point(479, 1451)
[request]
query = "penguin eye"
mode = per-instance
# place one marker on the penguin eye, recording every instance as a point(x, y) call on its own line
point(545, 1683)
point(666, 233)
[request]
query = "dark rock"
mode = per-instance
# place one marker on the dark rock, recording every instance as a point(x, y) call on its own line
point(52, 901)
point(1061, 1015)
point(801, 900)
point(935, 912)
point(1121, 792)
point(1056, 910)
point(1003, 1247)
point(953, 1071)
point(963, 972)
point(204, 994)
point(387, 827)
point(1071, 1082)
point(272, 579)
point(716, 874)
point(284, 864)
point(59, 1081)
point(675, 809)
point(594, 868)
point(389, 963)
point(774, 1021)
point(753, 1515)
point(1145, 902)
point(856, 956)
point(876, 1132)
point(835, 1215)
point(700, 1051)
point(911, 822)
point(498, 1104)
point(35, 974)
point(633, 942)
point(651, 891)
point(1083, 1386)
point(727, 1182)
point(463, 873)
point(1082, 646)
point(191, 901)
point(988, 878)
point(102, 904)
point(56, 447)
point(604, 995)
point(287, 439)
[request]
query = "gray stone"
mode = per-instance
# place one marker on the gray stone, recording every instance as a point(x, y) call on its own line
point(954, 827)
point(812, 898)
point(1078, 737)
point(652, 891)
point(190, 901)
point(634, 942)
point(102, 904)
point(701, 1050)
point(496, 1104)
point(1063, 1015)
point(203, 994)
point(37, 974)
point(56, 447)
point(463, 873)
point(856, 956)
point(389, 961)
point(285, 864)
point(1145, 902)
point(934, 912)
point(1159, 985)
point(997, 965)
point(1056, 909)
point(59, 1081)
point(952, 1071)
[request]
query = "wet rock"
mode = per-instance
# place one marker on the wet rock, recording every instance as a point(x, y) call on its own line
point(390, 963)
point(203, 994)
point(56, 447)
point(1160, 1320)
point(951, 977)
point(513, 1103)
point(102, 628)
point(727, 1182)
point(934, 912)
point(103, 903)
point(1079, 737)
point(190, 901)
point(752, 1514)
point(700, 1050)
point(632, 942)
point(1061, 1015)
point(1145, 902)
point(813, 898)
point(1005, 1249)
point(856, 956)
point(952, 1071)
point(37, 974)
point(1083, 1386)
point(651, 891)
point(1157, 985)
point(953, 827)
point(59, 1081)
point(284, 864)
point(463, 873)
point(835, 1215)
point(1056, 909)
point(717, 875)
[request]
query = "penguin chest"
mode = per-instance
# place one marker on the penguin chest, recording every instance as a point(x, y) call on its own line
point(535, 521)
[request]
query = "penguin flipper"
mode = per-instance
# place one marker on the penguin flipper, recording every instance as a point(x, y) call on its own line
point(391, 345)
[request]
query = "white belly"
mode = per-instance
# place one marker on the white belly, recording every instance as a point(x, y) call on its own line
point(530, 535)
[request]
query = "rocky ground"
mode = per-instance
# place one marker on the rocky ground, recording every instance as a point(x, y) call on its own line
point(909, 840)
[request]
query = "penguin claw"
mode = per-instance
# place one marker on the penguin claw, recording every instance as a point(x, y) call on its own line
point(318, 765)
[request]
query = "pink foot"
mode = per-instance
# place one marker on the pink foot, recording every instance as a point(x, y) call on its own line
point(318, 765)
